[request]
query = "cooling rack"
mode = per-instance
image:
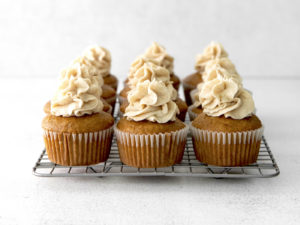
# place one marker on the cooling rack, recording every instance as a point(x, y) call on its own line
point(265, 166)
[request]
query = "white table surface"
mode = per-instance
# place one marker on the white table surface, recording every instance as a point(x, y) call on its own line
point(26, 199)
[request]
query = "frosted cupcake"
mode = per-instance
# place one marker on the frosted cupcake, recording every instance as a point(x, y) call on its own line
point(77, 131)
point(143, 69)
point(100, 58)
point(212, 51)
point(149, 135)
point(226, 131)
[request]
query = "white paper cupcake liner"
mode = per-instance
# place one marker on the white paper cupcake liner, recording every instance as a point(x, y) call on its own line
point(74, 149)
point(226, 149)
point(152, 150)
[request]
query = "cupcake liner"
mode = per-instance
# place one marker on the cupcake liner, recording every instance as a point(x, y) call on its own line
point(151, 150)
point(76, 149)
point(192, 115)
point(226, 149)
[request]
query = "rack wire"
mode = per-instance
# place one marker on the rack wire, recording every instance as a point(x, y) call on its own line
point(265, 166)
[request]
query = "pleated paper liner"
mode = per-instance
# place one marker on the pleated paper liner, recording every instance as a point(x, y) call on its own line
point(78, 149)
point(226, 149)
point(153, 150)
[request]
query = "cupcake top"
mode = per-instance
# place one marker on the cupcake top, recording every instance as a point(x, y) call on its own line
point(78, 93)
point(153, 97)
point(213, 51)
point(158, 53)
point(100, 58)
point(224, 95)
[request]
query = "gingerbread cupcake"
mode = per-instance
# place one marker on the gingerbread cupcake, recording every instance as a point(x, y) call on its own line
point(100, 58)
point(226, 131)
point(211, 52)
point(149, 135)
point(77, 131)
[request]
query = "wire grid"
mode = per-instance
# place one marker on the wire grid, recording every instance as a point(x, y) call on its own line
point(189, 166)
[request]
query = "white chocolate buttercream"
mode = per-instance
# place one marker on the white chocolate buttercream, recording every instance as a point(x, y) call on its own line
point(92, 70)
point(149, 71)
point(213, 51)
point(152, 101)
point(222, 66)
point(225, 96)
point(158, 53)
point(136, 65)
point(78, 93)
point(100, 58)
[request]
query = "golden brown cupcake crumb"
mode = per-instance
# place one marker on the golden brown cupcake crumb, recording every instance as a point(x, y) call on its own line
point(222, 124)
point(83, 124)
point(147, 127)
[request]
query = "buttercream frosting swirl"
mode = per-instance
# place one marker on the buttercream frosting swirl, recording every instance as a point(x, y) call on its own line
point(136, 65)
point(225, 95)
point(158, 53)
point(213, 51)
point(152, 101)
point(100, 58)
point(92, 69)
point(152, 97)
point(78, 93)
point(222, 66)
point(149, 71)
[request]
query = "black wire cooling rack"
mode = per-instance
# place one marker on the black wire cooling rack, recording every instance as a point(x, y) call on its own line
point(265, 166)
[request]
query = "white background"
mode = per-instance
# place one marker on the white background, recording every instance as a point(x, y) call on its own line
point(39, 38)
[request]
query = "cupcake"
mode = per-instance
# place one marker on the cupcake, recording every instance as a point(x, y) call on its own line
point(226, 131)
point(213, 51)
point(100, 58)
point(149, 135)
point(77, 131)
